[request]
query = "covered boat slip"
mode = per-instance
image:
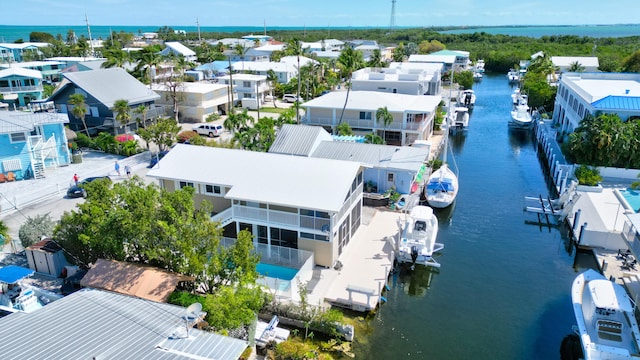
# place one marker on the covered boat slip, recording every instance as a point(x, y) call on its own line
point(605, 317)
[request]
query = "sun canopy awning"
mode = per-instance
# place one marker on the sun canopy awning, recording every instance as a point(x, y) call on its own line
point(12, 274)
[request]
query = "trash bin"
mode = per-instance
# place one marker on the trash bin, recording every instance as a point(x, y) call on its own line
point(76, 158)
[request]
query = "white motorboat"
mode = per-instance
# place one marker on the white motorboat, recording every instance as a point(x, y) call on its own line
point(477, 76)
point(466, 98)
point(607, 326)
point(459, 119)
point(479, 67)
point(418, 242)
point(16, 296)
point(520, 114)
point(513, 76)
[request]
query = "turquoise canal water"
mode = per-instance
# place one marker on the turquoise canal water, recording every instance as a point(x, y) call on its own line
point(503, 291)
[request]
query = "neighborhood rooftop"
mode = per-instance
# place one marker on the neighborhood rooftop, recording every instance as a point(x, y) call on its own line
point(122, 86)
point(372, 100)
point(95, 324)
point(262, 177)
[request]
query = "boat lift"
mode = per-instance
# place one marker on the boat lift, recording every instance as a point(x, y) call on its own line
point(558, 208)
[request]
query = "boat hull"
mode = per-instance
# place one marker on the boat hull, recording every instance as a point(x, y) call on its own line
point(418, 241)
point(442, 188)
point(605, 331)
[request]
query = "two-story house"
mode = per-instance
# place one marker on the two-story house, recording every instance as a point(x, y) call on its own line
point(51, 70)
point(248, 90)
point(385, 166)
point(20, 86)
point(396, 80)
point(413, 115)
point(177, 49)
point(14, 52)
point(32, 142)
point(195, 100)
point(582, 94)
point(101, 89)
point(283, 200)
point(283, 71)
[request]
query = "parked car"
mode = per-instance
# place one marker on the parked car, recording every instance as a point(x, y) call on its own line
point(209, 130)
point(291, 98)
point(156, 157)
point(79, 190)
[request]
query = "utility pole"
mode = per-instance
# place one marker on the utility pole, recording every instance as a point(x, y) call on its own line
point(198, 24)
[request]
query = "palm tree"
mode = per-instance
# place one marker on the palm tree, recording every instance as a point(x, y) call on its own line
point(272, 78)
point(376, 59)
point(349, 60)
point(115, 58)
point(373, 138)
point(142, 110)
point(384, 116)
point(121, 109)
point(294, 48)
point(575, 67)
point(147, 58)
point(79, 109)
point(241, 51)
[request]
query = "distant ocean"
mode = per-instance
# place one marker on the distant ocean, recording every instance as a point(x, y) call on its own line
point(594, 31)
point(10, 33)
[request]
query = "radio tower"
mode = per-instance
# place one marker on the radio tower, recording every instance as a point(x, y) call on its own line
point(392, 24)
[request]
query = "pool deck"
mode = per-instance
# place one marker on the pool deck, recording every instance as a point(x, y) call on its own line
point(367, 261)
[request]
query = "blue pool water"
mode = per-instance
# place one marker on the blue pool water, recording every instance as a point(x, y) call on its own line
point(633, 198)
point(275, 271)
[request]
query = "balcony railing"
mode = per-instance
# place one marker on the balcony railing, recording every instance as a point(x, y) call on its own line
point(13, 89)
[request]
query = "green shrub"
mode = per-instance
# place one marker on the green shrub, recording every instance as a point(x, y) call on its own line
point(588, 175)
point(84, 141)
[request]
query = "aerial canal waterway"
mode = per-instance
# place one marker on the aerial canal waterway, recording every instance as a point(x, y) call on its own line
point(503, 291)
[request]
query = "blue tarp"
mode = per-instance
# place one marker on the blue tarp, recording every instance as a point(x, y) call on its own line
point(440, 185)
point(12, 274)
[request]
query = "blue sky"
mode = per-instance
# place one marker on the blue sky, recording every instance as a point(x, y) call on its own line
point(322, 13)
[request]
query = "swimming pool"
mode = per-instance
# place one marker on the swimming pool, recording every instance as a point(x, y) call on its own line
point(275, 271)
point(633, 198)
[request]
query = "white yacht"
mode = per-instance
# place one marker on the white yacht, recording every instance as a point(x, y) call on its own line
point(520, 114)
point(418, 242)
point(607, 326)
point(459, 118)
point(513, 76)
point(466, 98)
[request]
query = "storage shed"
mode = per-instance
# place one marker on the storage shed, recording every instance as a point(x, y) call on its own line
point(46, 257)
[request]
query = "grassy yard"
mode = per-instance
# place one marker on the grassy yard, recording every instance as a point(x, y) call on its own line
point(273, 110)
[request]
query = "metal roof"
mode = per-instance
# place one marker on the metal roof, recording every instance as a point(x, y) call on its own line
point(112, 84)
point(20, 121)
point(262, 177)
point(618, 103)
point(587, 61)
point(373, 100)
point(179, 48)
point(95, 324)
point(298, 139)
point(20, 71)
point(372, 155)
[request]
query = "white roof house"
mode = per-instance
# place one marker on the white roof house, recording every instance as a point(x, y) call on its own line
point(396, 80)
point(590, 63)
point(413, 115)
point(447, 60)
point(313, 141)
point(305, 200)
point(95, 324)
point(580, 94)
point(326, 182)
point(199, 100)
point(304, 61)
point(178, 49)
point(249, 89)
point(284, 71)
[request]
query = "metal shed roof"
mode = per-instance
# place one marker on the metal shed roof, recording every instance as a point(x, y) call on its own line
point(95, 324)
point(20, 121)
point(618, 103)
point(298, 139)
point(372, 155)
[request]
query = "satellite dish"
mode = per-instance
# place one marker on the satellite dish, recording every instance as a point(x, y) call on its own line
point(194, 309)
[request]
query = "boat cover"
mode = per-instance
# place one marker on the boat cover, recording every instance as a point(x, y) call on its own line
point(12, 274)
point(444, 184)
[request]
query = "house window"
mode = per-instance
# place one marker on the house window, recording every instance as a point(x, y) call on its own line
point(365, 115)
point(391, 177)
point(246, 84)
point(18, 137)
point(184, 184)
point(411, 118)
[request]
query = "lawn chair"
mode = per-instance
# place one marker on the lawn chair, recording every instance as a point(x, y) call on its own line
point(11, 176)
